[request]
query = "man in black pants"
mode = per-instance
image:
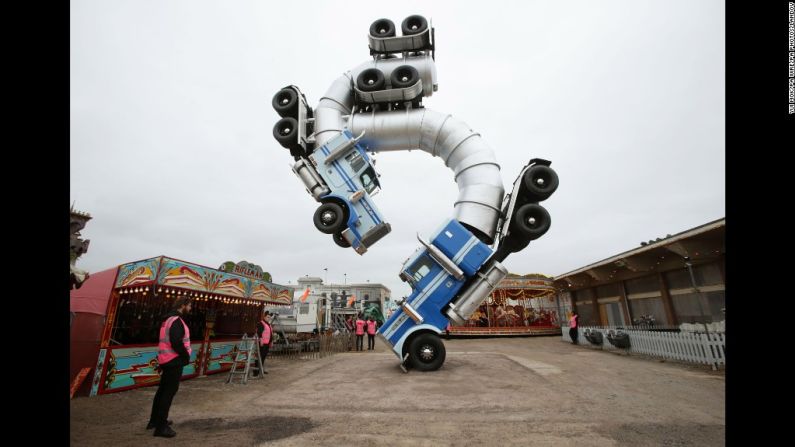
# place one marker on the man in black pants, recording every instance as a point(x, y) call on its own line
point(370, 333)
point(360, 324)
point(265, 333)
point(173, 354)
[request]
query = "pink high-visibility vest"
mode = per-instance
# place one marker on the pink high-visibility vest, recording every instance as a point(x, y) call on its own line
point(165, 353)
point(359, 327)
point(573, 322)
point(266, 334)
point(371, 327)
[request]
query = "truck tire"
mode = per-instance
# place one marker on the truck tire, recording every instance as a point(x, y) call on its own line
point(382, 28)
point(329, 218)
point(540, 181)
point(415, 24)
point(370, 80)
point(404, 76)
point(285, 132)
point(426, 352)
point(285, 103)
point(532, 221)
point(341, 241)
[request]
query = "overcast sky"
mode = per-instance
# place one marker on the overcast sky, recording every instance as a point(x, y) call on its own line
point(172, 151)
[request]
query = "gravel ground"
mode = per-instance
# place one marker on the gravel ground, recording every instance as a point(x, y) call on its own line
point(519, 391)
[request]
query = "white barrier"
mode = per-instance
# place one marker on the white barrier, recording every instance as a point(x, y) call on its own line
point(706, 348)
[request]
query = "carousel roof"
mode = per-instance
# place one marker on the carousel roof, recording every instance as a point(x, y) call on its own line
point(531, 285)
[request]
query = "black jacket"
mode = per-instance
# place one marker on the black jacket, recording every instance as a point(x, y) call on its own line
point(175, 335)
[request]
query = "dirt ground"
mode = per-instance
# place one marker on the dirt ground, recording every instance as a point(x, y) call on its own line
point(518, 391)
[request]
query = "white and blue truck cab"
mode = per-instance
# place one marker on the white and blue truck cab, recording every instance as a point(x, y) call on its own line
point(453, 273)
point(339, 174)
point(449, 277)
point(347, 183)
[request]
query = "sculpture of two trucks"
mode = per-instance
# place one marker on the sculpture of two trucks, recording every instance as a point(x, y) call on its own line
point(378, 106)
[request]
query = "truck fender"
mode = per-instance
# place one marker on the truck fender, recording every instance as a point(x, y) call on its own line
point(415, 329)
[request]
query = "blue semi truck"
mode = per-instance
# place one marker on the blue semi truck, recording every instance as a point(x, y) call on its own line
point(339, 174)
point(453, 273)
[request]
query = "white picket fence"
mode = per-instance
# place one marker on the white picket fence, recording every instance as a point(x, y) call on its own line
point(705, 348)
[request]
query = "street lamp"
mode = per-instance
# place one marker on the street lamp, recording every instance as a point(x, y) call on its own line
point(326, 277)
point(346, 279)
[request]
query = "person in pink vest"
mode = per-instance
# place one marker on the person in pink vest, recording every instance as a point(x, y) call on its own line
point(573, 326)
point(359, 323)
point(370, 333)
point(265, 334)
point(173, 354)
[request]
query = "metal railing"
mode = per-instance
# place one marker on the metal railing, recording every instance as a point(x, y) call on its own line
point(314, 347)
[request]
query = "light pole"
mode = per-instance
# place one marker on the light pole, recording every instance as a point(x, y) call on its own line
point(345, 281)
point(326, 277)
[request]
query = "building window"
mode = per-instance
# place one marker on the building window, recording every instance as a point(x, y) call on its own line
point(705, 307)
point(608, 291)
point(678, 279)
point(583, 295)
point(614, 313)
point(645, 284)
point(707, 274)
point(586, 313)
point(649, 306)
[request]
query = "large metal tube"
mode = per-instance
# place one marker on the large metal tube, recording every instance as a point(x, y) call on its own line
point(337, 102)
point(462, 150)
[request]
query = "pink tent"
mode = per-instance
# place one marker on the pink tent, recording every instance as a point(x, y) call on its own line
point(92, 297)
point(88, 305)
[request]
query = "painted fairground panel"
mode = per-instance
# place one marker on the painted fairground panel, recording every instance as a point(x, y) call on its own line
point(519, 304)
point(221, 355)
point(135, 273)
point(135, 366)
point(195, 277)
point(283, 295)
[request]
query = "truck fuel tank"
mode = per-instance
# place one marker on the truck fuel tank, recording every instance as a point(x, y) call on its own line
point(487, 280)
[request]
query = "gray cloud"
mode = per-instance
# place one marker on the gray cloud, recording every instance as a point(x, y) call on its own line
point(172, 153)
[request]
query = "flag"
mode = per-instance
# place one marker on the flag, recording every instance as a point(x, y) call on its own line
point(306, 294)
point(351, 300)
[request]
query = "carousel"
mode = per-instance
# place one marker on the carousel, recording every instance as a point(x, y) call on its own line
point(116, 318)
point(520, 305)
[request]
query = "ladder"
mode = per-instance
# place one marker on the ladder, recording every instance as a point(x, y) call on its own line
point(247, 352)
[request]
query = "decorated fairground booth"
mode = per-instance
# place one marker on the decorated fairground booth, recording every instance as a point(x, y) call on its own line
point(520, 305)
point(226, 304)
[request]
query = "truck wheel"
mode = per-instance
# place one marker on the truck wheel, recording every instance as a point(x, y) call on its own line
point(404, 76)
point(426, 352)
point(285, 102)
point(413, 25)
point(341, 241)
point(382, 28)
point(370, 80)
point(532, 220)
point(285, 132)
point(541, 181)
point(329, 218)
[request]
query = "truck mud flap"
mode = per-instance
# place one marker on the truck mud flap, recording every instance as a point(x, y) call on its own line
point(403, 363)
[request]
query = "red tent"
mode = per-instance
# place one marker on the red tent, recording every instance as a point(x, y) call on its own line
point(88, 306)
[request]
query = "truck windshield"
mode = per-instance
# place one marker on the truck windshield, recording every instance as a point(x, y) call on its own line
point(420, 269)
point(369, 180)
